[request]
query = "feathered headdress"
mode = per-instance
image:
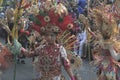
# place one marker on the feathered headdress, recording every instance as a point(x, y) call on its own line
point(117, 6)
point(52, 18)
point(107, 29)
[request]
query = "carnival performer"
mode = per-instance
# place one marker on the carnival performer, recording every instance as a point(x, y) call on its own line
point(49, 22)
point(24, 32)
point(106, 51)
point(88, 34)
point(5, 56)
point(50, 56)
point(81, 37)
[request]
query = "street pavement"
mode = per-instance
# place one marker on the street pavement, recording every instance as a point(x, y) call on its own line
point(26, 71)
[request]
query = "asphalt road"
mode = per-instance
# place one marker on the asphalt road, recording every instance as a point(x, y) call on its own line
point(26, 72)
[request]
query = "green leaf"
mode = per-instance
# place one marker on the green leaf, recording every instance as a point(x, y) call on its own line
point(43, 13)
point(60, 19)
point(37, 21)
point(34, 19)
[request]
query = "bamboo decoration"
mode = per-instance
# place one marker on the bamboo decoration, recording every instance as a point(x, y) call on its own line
point(1, 1)
point(15, 46)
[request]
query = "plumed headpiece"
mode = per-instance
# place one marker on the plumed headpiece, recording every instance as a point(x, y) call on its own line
point(117, 5)
point(105, 24)
point(52, 18)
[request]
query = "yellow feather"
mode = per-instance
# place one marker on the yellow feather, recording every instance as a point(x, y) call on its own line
point(69, 38)
point(71, 43)
point(1, 1)
point(66, 35)
point(13, 32)
point(62, 35)
point(17, 14)
point(8, 39)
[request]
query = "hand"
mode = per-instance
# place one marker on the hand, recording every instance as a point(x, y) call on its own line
point(23, 49)
point(24, 52)
point(73, 78)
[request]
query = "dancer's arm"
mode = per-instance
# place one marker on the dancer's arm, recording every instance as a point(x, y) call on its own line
point(114, 53)
point(66, 63)
point(28, 53)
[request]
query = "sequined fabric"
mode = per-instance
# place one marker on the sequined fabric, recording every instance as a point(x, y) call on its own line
point(49, 62)
point(107, 68)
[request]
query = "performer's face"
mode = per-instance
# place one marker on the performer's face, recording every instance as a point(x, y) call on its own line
point(50, 38)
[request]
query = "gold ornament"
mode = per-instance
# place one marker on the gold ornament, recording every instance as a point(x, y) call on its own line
point(47, 19)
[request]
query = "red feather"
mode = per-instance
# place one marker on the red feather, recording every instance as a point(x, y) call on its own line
point(54, 20)
point(27, 5)
point(41, 19)
point(36, 27)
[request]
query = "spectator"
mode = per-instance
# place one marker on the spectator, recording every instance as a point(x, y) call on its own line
point(81, 6)
point(81, 37)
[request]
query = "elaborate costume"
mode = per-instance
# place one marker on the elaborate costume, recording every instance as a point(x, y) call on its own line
point(49, 22)
point(5, 58)
point(106, 53)
point(49, 64)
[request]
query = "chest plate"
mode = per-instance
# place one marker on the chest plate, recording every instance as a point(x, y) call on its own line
point(50, 61)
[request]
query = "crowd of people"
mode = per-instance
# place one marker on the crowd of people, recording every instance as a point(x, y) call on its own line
point(57, 33)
